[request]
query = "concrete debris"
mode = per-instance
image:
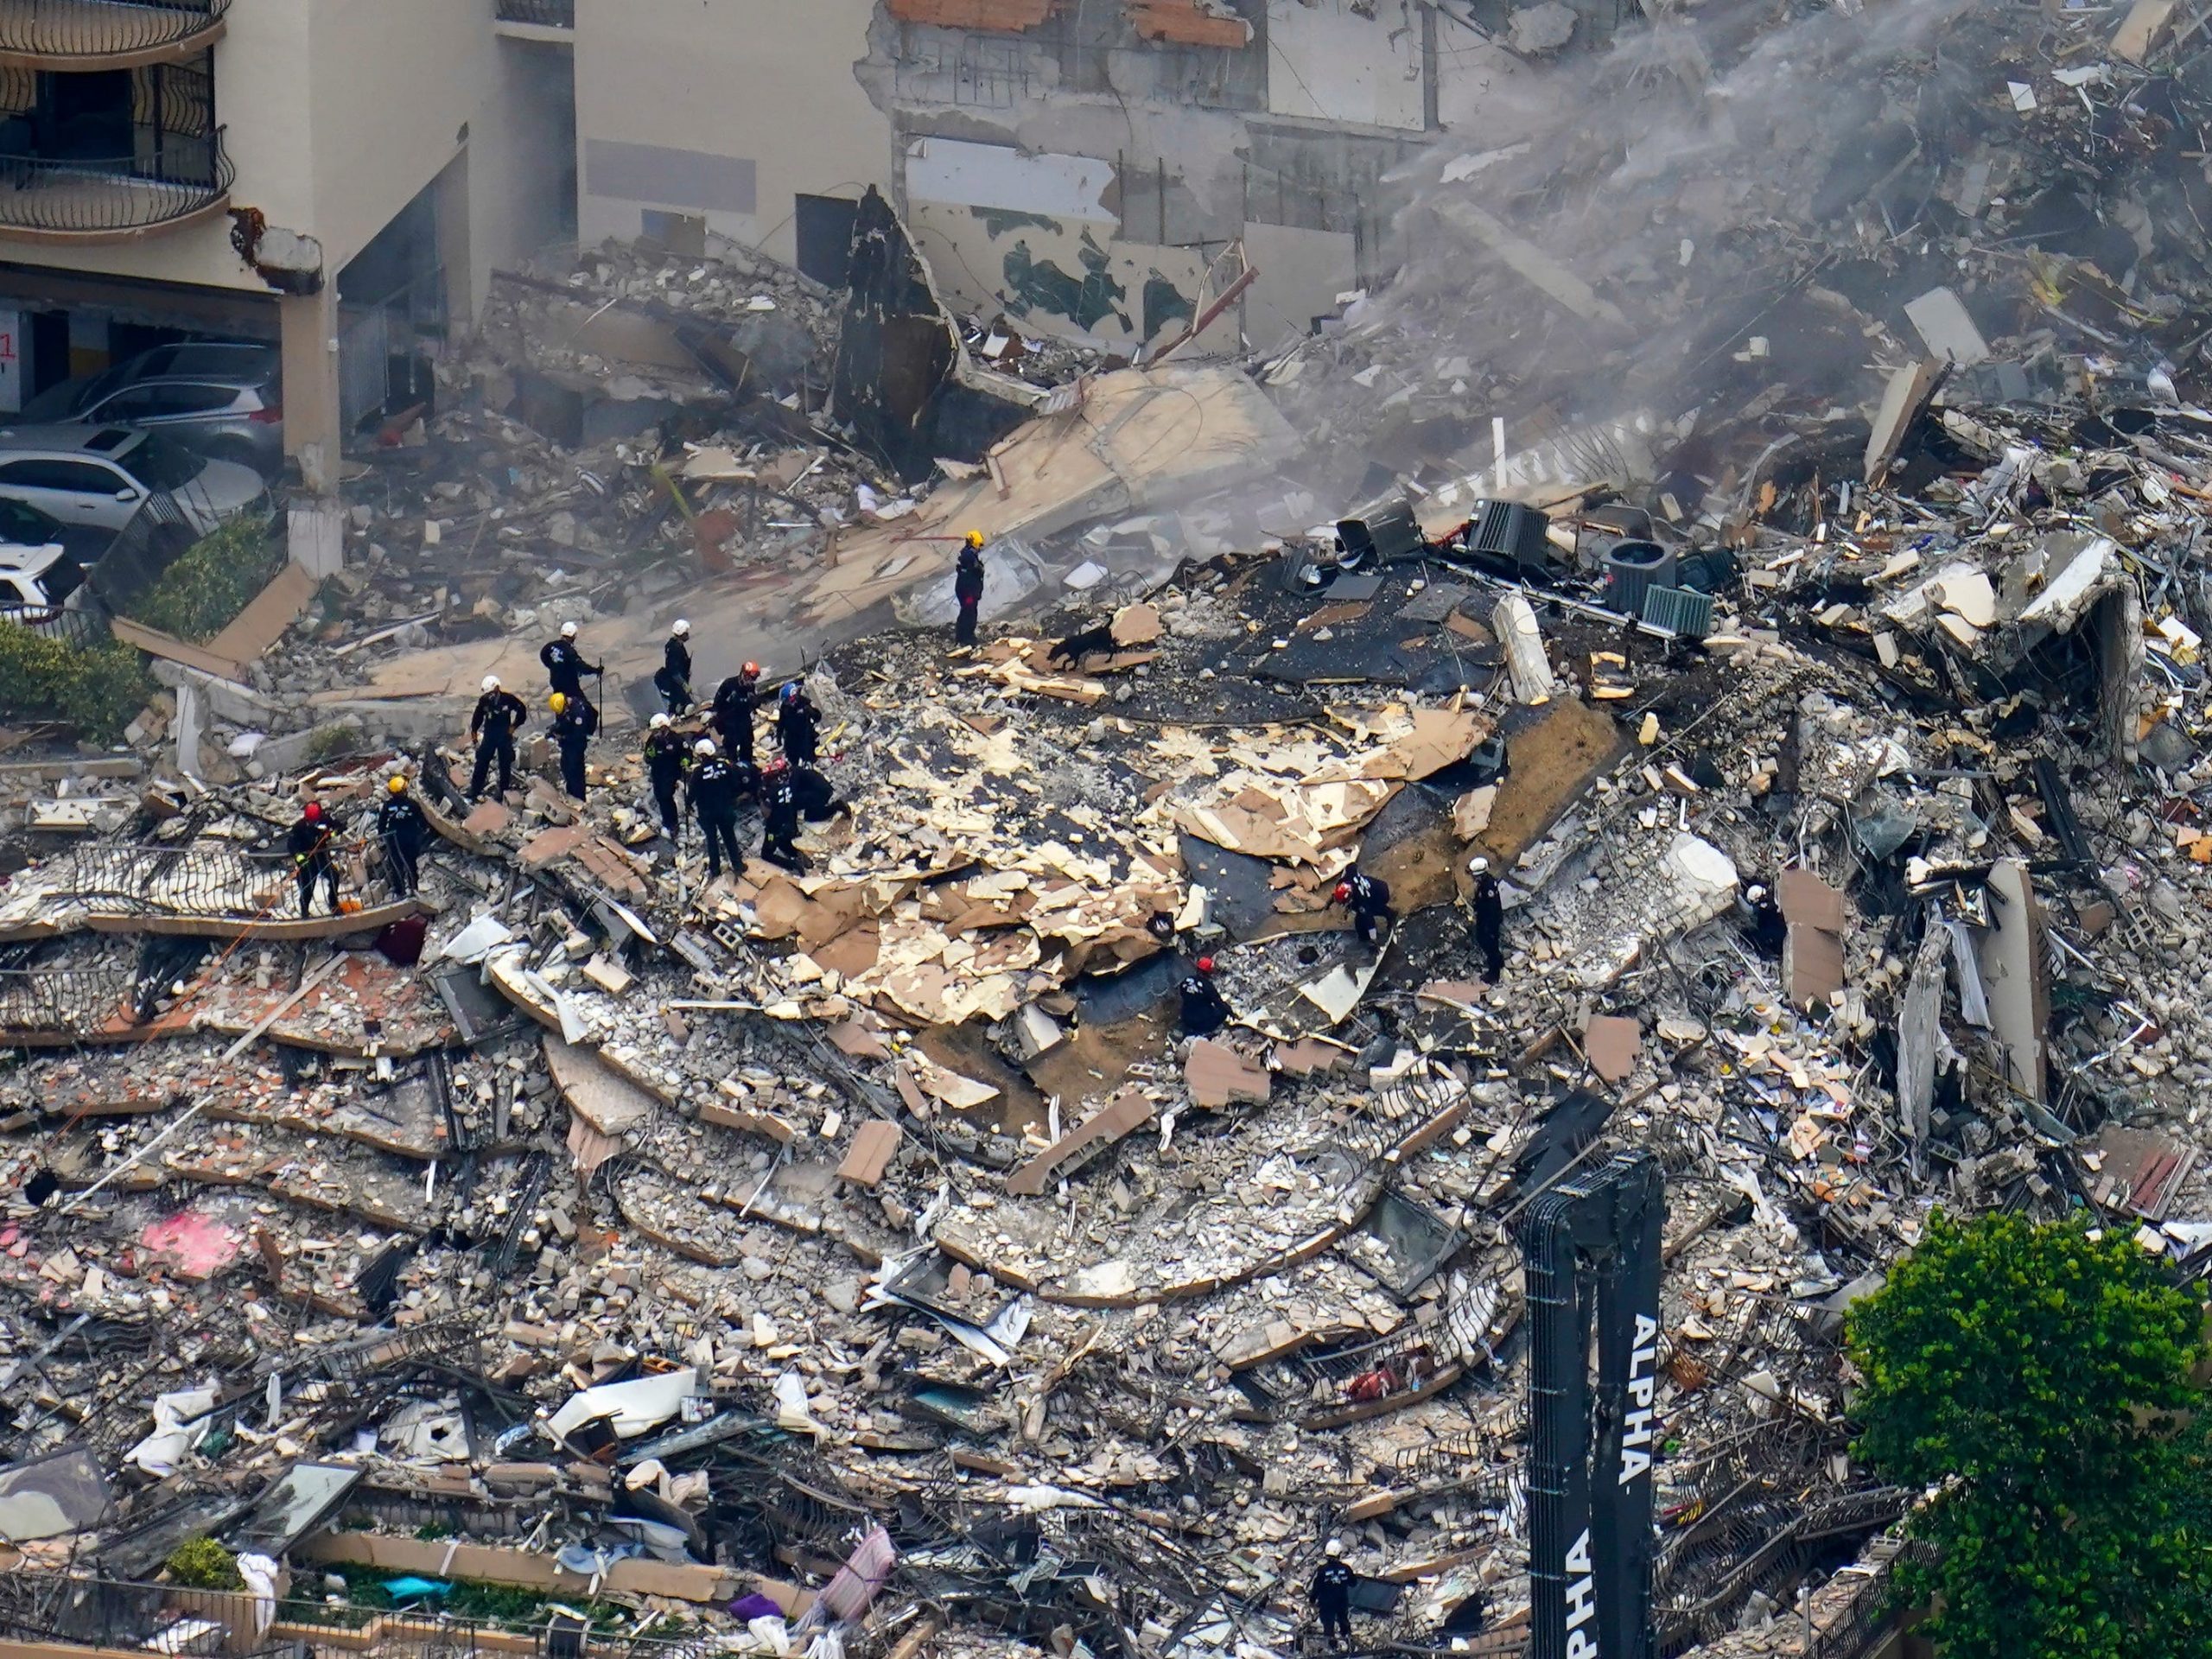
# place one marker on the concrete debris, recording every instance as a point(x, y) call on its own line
point(1791, 771)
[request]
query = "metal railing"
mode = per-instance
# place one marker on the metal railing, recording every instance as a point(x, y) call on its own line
point(168, 177)
point(546, 14)
point(72, 628)
point(67, 29)
point(1875, 1609)
point(196, 880)
point(65, 1001)
point(171, 1618)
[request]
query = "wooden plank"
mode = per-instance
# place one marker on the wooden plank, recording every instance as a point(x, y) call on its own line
point(267, 614)
point(155, 642)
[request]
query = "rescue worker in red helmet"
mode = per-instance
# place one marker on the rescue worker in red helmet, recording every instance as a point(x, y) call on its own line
point(1205, 1010)
point(312, 844)
point(1368, 900)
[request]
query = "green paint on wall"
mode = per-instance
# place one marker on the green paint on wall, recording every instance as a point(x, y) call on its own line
point(1032, 284)
point(1164, 303)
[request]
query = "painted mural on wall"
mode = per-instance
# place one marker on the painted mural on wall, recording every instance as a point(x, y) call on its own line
point(1056, 277)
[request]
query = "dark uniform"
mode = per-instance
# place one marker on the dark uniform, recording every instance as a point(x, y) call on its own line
point(1768, 929)
point(1369, 903)
point(404, 832)
point(572, 730)
point(817, 801)
point(780, 822)
point(566, 667)
point(313, 846)
point(713, 800)
point(1332, 1600)
point(665, 752)
point(673, 678)
point(1490, 925)
point(1205, 1010)
point(732, 713)
point(798, 731)
point(499, 716)
point(968, 589)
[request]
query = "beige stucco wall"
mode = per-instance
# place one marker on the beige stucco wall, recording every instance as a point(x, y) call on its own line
point(765, 81)
point(335, 115)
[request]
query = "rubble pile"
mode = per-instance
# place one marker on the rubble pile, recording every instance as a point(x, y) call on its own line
point(858, 1245)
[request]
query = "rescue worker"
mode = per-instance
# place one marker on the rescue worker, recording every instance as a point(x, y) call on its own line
point(1368, 900)
point(780, 811)
point(673, 678)
point(664, 767)
point(1490, 920)
point(499, 713)
point(402, 831)
point(732, 716)
point(1205, 1010)
point(564, 665)
point(798, 726)
point(713, 802)
point(967, 588)
point(817, 802)
point(312, 844)
point(1333, 1597)
point(575, 720)
point(1761, 917)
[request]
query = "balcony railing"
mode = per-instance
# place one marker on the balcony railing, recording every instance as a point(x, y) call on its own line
point(167, 177)
point(545, 14)
point(68, 34)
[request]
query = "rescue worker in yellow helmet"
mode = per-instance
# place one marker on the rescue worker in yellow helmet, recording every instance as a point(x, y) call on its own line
point(402, 830)
point(967, 588)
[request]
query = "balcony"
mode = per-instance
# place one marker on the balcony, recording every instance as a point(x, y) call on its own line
point(533, 14)
point(76, 36)
point(170, 180)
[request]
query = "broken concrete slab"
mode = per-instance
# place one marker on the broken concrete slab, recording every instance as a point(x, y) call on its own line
point(1219, 1075)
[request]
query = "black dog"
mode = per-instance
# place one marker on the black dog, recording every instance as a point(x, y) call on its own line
point(1098, 641)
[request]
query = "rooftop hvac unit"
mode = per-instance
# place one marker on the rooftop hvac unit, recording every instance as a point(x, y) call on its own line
point(1632, 569)
point(1506, 530)
point(1681, 611)
point(1381, 532)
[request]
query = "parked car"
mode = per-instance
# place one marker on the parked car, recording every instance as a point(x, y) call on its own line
point(220, 397)
point(96, 478)
point(41, 584)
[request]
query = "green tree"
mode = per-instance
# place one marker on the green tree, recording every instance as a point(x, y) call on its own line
point(2035, 1377)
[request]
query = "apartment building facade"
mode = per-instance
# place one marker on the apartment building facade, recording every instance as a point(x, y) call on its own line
point(1087, 165)
point(336, 177)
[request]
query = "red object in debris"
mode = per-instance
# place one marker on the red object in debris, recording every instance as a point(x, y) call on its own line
point(401, 942)
point(1371, 1385)
point(197, 1246)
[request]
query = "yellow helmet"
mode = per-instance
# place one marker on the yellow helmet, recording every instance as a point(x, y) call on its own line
point(557, 702)
point(974, 538)
point(396, 785)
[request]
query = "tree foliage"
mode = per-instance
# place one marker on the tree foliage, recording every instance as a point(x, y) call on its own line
point(96, 689)
point(2038, 1378)
point(213, 580)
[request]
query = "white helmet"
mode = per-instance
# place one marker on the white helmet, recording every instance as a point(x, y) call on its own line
point(704, 746)
point(491, 681)
point(568, 630)
point(1478, 865)
point(658, 721)
point(1336, 1548)
point(682, 630)
point(1755, 893)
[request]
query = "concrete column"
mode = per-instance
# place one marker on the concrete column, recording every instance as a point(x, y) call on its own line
point(313, 422)
point(457, 242)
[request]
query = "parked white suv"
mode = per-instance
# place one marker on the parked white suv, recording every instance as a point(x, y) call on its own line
point(98, 477)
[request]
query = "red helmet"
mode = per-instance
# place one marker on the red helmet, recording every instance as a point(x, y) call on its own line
point(751, 671)
point(778, 764)
point(313, 813)
point(1205, 964)
point(1344, 893)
